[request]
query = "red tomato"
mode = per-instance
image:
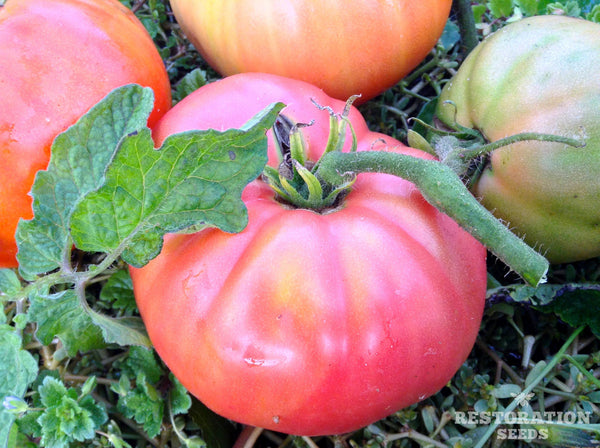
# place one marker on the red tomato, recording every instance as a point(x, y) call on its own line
point(312, 323)
point(344, 47)
point(57, 59)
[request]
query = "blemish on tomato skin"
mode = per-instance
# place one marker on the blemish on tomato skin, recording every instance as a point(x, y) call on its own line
point(276, 419)
point(252, 362)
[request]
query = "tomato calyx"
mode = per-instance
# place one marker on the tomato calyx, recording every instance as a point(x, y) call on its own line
point(295, 180)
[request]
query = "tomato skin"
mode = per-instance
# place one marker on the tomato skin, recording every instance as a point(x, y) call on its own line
point(346, 48)
point(538, 75)
point(57, 59)
point(310, 323)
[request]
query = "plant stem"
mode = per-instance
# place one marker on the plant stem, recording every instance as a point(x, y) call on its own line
point(248, 437)
point(415, 435)
point(500, 362)
point(466, 23)
point(524, 136)
point(583, 371)
point(443, 189)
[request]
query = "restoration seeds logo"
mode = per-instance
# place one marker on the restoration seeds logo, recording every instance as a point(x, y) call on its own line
point(537, 422)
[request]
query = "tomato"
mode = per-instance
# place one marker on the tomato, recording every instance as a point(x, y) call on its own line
point(346, 48)
point(312, 323)
point(537, 75)
point(57, 59)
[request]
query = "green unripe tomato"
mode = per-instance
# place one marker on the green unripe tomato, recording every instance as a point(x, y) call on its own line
point(540, 74)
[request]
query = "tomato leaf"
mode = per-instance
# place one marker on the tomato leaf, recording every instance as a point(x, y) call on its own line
point(450, 36)
point(195, 177)
point(529, 7)
point(9, 283)
point(63, 315)
point(142, 360)
point(77, 165)
point(117, 293)
point(144, 405)
point(573, 304)
point(18, 369)
point(189, 83)
point(122, 330)
point(501, 8)
point(141, 401)
point(179, 398)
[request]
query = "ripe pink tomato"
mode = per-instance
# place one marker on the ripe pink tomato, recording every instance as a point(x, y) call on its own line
point(312, 323)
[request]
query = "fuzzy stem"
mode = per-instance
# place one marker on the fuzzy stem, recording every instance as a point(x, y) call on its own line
point(466, 23)
point(443, 189)
point(524, 136)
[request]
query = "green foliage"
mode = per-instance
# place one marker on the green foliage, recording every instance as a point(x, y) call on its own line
point(75, 327)
point(96, 176)
point(117, 293)
point(63, 415)
point(148, 193)
point(501, 8)
point(190, 82)
point(515, 9)
point(141, 402)
point(77, 165)
point(18, 369)
point(141, 399)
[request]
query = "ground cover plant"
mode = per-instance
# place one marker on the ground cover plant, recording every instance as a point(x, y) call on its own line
point(77, 367)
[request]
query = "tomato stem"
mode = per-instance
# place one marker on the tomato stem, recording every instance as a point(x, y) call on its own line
point(522, 137)
point(466, 24)
point(443, 189)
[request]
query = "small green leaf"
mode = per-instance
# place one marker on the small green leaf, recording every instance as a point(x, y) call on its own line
point(529, 7)
point(118, 292)
point(63, 315)
point(142, 360)
point(18, 369)
point(77, 165)
point(416, 140)
point(195, 442)
point(9, 283)
point(189, 83)
point(573, 305)
point(179, 397)
point(89, 385)
point(118, 442)
point(594, 14)
point(478, 12)
point(66, 418)
point(501, 8)
point(450, 36)
point(535, 373)
point(506, 391)
point(195, 177)
point(144, 405)
point(537, 296)
point(122, 330)
point(570, 8)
